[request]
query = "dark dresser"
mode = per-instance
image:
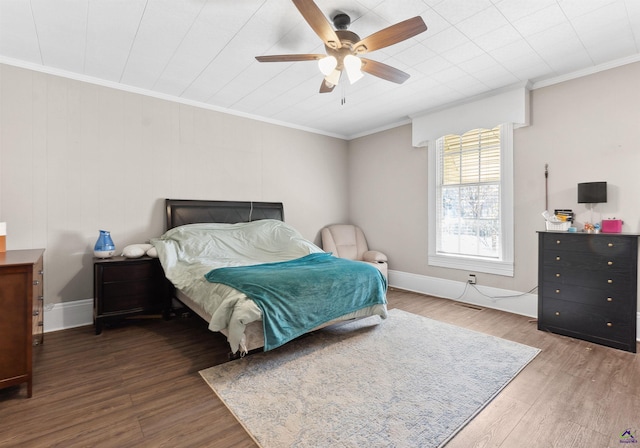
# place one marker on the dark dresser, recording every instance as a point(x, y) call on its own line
point(587, 287)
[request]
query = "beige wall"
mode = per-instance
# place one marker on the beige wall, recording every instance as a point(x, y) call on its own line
point(76, 158)
point(587, 129)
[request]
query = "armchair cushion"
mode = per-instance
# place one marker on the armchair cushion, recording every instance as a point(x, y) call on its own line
point(374, 256)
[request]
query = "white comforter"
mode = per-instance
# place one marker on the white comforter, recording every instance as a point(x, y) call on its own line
point(188, 252)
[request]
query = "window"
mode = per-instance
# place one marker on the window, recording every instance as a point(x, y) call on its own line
point(471, 201)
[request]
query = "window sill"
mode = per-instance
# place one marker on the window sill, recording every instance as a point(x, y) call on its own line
point(472, 264)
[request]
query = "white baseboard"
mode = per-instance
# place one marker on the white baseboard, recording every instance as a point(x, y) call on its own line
point(525, 304)
point(60, 316)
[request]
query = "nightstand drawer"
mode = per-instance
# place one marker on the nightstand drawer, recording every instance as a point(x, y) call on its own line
point(125, 296)
point(133, 271)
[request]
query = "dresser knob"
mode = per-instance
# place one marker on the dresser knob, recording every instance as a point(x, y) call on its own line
point(609, 299)
point(557, 258)
point(609, 263)
point(40, 272)
point(36, 312)
point(557, 241)
point(609, 324)
point(557, 313)
point(609, 281)
point(558, 275)
point(36, 282)
point(41, 298)
point(610, 244)
point(557, 291)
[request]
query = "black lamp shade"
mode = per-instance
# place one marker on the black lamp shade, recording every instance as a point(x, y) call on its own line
point(592, 192)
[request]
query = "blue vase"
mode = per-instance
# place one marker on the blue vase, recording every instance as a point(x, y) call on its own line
point(104, 247)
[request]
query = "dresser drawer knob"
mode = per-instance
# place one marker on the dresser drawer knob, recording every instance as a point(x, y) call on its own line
point(558, 274)
point(609, 324)
point(557, 313)
point(40, 272)
point(557, 258)
point(609, 299)
point(36, 282)
point(558, 241)
point(41, 298)
point(609, 263)
point(36, 312)
point(610, 244)
point(557, 291)
point(40, 324)
point(609, 281)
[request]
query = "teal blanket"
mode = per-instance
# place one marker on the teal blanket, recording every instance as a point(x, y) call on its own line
point(298, 295)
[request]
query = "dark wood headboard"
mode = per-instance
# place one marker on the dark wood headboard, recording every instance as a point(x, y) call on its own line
point(192, 211)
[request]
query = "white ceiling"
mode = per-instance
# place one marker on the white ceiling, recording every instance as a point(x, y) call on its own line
point(202, 51)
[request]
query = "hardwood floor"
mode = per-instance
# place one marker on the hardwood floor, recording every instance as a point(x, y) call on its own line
point(138, 385)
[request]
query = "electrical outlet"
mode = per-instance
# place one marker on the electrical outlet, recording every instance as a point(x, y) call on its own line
point(472, 279)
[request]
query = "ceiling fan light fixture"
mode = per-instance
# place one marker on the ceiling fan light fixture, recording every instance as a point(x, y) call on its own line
point(333, 78)
point(327, 65)
point(353, 65)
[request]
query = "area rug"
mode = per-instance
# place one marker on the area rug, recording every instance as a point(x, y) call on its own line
point(407, 381)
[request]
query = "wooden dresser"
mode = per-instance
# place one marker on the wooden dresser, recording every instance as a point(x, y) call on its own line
point(21, 319)
point(587, 287)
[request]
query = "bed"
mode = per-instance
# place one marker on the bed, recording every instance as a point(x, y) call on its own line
point(199, 253)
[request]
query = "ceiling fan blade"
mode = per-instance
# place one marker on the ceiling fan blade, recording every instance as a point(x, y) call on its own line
point(325, 87)
point(290, 57)
point(384, 71)
point(316, 20)
point(391, 35)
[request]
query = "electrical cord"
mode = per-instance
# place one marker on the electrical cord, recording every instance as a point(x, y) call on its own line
point(493, 298)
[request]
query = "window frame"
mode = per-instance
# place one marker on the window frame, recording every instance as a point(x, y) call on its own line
point(504, 264)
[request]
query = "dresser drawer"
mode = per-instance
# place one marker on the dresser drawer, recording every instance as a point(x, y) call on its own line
point(586, 319)
point(617, 303)
point(606, 279)
point(613, 262)
point(602, 244)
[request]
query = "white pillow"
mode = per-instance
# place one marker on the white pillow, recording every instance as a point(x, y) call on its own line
point(136, 250)
point(153, 253)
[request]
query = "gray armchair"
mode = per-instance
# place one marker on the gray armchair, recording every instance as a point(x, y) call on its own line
point(348, 241)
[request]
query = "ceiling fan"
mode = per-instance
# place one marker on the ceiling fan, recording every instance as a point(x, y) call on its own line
point(344, 47)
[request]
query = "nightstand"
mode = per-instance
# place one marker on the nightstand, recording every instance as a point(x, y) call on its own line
point(126, 287)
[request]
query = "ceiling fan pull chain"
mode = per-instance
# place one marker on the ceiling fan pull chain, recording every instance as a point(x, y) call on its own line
point(344, 96)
